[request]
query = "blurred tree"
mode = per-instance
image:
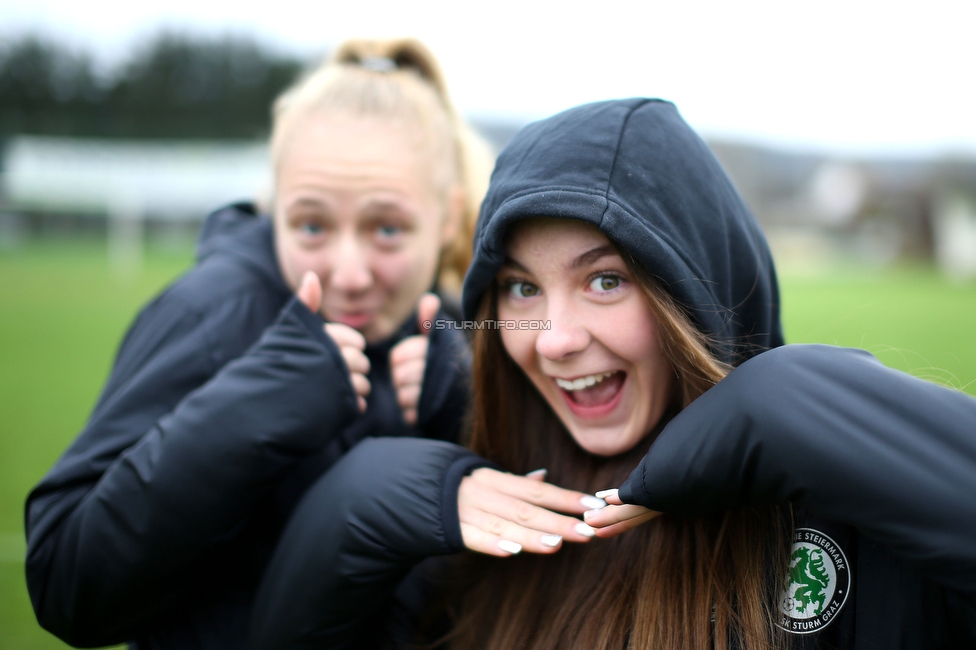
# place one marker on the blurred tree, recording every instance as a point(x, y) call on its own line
point(178, 86)
point(175, 86)
point(46, 88)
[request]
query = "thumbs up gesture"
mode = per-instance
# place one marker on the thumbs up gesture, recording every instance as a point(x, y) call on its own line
point(408, 359)
point(350, 342)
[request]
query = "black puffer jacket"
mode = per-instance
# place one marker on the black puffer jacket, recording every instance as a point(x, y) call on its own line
point(227, 400)
point(882, 466)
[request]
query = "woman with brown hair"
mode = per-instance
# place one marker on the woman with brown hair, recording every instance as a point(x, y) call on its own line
point(624, 301)
point(230, 396)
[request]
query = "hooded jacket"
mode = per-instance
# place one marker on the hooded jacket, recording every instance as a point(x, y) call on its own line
point(226, 401)
point(881, 466)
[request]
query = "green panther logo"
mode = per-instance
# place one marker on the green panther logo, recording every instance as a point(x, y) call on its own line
point(808, 581)
point(818, 581)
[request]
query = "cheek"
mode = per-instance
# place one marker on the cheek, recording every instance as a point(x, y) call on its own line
point(656, 373)
point(635, 337)
point(632, 331)
point(295, 261)
point(520, 345)
point(638, 344)
point(290, 258)
point(405, 269)
point(519, 311)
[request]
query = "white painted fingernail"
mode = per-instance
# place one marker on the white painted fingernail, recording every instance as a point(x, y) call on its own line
point(551, 540)
point(593, 503)
point(603, 494)
point(589, 513)
point(510, 547)
point(584, 530)
point(537, 473)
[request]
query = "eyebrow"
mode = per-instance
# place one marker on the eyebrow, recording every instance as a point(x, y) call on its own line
point(593, 255)
point(384, 203)
point(586, 258)
point(385, 207)
point(306, 202)
point(513, 263)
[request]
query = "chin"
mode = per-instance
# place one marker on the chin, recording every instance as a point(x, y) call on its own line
point(604, 443)
point(375, 334)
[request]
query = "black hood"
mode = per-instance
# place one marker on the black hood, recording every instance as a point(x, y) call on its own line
point(634, 169)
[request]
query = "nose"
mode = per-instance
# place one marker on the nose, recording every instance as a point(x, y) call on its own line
point(562, 335)
point(350, 269)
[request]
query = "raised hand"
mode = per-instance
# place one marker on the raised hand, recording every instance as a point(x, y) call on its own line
point(408, 359)
point(350, 342)
point(617, 517)
point(503, 514)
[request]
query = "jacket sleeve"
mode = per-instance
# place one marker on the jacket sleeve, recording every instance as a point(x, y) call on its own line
point(445, 393)
point(171, 463)
point(833, 430)
point(389, 503)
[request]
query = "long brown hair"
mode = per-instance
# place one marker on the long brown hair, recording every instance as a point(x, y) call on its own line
point(696, 583)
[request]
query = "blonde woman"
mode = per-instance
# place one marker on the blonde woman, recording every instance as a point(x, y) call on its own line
point(230, 396)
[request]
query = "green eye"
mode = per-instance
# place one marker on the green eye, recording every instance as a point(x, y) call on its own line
point(605, 283)
point(523, 290)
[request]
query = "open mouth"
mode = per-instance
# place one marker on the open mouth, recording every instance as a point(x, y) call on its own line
point(355, 320)
point(593, 391)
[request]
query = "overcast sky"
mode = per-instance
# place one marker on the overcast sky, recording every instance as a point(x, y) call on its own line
point(862, 77)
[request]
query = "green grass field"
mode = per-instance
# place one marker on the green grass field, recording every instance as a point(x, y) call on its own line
point(911, 318)
point(63, 312)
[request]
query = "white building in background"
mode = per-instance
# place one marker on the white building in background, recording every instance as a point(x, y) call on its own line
point(879, 210)
point(130, 182)
point(170, 180)
point(955, 235)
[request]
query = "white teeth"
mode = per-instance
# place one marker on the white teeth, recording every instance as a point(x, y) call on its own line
point(583, 382)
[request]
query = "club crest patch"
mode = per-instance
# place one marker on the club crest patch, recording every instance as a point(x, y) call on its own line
point(817, 585)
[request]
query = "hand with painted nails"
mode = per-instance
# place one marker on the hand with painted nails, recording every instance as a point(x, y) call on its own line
point(408, 359)
point(617, 517)
point(350, 342)
point(503, 514)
